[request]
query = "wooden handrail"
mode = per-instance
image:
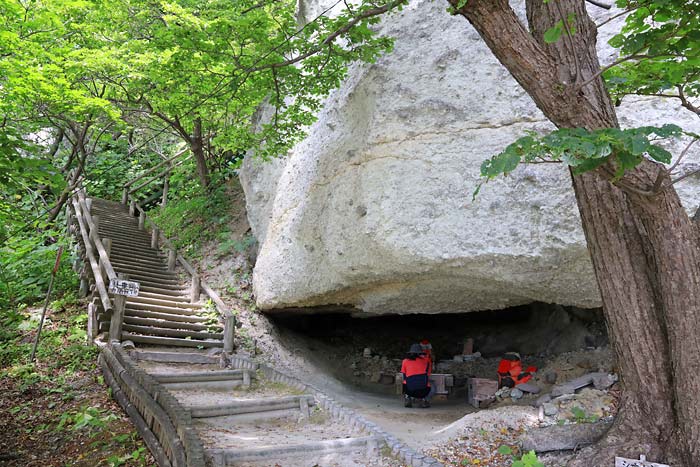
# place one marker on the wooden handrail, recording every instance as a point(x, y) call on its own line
point(156, 177)
point(153, 169)
point(227, 315)
point(96, 272)
point(102, 252)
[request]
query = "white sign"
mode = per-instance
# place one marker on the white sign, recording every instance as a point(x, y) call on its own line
point(124, 287)
point(642, 462)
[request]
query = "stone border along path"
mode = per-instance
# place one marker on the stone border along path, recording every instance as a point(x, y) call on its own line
point(163, 315)
point(169, 428)
point(398, 449)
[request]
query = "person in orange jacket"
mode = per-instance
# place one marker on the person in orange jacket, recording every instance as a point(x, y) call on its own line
point(510, 371)
point(416, 369)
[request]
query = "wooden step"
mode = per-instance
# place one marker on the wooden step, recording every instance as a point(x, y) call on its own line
point(226, 457)
point(113, 214)
point(156, 290)
point(174, 357)
point(198, 376)
point(147, 299)
point(170, 298)
point(169, 341)
point(163, 286)
point(246, 406)
point(167, 276)
point(119, 220)
point(140, 252)
point(166, 316)
point(145, 276)
point(133, 255)
point(142, 266)
point(163, 323)
point(140, 246)
point(170, 332)
point(123, 228)
point(165, 309)
point(119, 229)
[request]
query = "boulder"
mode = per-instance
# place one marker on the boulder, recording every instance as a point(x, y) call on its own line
point(373, 210)
point(563, 438)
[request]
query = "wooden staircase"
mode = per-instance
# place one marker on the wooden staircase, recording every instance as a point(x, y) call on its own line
point(195, 406)
point(163, 313)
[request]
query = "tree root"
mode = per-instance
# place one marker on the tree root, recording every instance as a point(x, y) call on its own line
point(623, 440)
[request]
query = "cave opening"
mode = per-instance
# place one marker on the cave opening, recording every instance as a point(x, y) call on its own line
point(366, 352)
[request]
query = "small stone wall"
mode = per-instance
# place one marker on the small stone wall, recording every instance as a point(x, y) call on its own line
point(337, 411)
point(163, 423)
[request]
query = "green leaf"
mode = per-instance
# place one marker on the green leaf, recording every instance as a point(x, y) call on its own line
point(640, 143)
point(553, 34)
point(588, 165)
point(660, 154)
point(505, 450)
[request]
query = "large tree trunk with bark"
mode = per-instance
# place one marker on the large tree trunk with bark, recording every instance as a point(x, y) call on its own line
point(643, 248)
point(197, 148)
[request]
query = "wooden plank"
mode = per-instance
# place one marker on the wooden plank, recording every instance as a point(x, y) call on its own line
point(221, 375)
point(171, 332)
point(144, 431)
point(148, 407)
point(232, 456)
point(174, 357)
point(156, 177)
point(89, 253)
point(153, 169)
point(102, 252)
point(252, 406)
point(170, 341)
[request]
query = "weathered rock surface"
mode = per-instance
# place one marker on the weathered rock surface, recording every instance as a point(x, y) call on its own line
point(563, 438)
point(374, 208)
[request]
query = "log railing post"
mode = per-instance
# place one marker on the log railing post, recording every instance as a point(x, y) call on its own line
point(96, 223)
point(84, 287)
point(115, 325)
point(107, 243)
point(125, 195)
point(166, 185)
point(172, 258)
point(229, 330)
point(132, 208)
point(154, 238)
point(196, 286)
point(142, 220)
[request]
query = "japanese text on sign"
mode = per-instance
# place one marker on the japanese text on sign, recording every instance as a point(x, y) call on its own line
point(124, 287)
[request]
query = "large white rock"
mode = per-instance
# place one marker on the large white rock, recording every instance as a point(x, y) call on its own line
point(374, 208)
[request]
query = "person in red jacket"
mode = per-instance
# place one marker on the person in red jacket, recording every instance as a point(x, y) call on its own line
point(510, 371)
point(416, 370)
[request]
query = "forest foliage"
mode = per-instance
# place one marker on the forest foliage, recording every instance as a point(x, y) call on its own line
point(94, 92)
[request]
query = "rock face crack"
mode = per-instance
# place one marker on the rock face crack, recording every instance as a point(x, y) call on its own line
point(374, 208)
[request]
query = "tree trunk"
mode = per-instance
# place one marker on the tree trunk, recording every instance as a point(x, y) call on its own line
point(643, 248)
point(197, 148)
point(80, 150)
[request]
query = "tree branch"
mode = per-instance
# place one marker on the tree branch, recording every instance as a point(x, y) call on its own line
point(634, 56)
point(334, 35)
point(682, 155)
point(599, 4)
point(685, 103)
